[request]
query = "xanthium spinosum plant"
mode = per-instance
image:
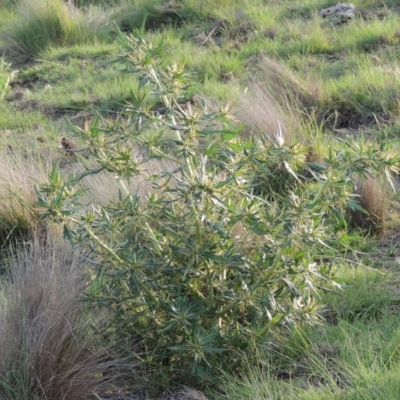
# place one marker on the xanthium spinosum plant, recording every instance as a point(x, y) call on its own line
point(227, 244)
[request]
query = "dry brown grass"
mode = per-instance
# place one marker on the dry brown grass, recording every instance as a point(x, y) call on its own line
point(19, 174)
point(260, 114)
point(374, 196)
point(46, 349)
point(276, 102)
point(103, 187)
point(188, 393)
point(286, 88)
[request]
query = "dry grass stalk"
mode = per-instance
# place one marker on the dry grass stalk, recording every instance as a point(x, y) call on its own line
point(287, 89)
point(260, 113)
point(103, 187)
point(46, 351)
point(188, 393)
point(276, 101)
point(19, 174)
point(374, 197)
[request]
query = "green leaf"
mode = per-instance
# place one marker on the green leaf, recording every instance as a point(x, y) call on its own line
point(273, 322)
point(68, 234)
point(229, 135)
point(355, 206)
point(235, 147)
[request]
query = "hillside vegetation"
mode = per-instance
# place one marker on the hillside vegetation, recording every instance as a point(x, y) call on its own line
point(199, 200)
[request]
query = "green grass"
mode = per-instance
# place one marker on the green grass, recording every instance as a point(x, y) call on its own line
point(77, 84)
point(26, 133)
point(42, 23)
point(347, 361)
point(355, 355)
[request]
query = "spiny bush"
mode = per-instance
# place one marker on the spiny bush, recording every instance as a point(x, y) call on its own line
point(217, 255)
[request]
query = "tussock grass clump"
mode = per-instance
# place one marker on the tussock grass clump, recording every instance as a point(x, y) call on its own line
point(46, 349)
point(260, 113)
point(287, 89)
point(19, 219)
point(42, 23)
point(153, 13)
point(373, 196)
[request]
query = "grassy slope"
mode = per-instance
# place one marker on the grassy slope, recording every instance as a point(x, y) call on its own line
point(351, 75)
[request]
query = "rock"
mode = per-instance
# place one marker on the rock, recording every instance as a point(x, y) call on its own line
point(215, 32)
point(219, 27)
point(67, 145)
point(16, 94)
point(204, 40)
point(341, 12)
point(170, 7)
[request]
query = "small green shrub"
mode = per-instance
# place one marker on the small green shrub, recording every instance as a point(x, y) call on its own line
point(217, 255)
